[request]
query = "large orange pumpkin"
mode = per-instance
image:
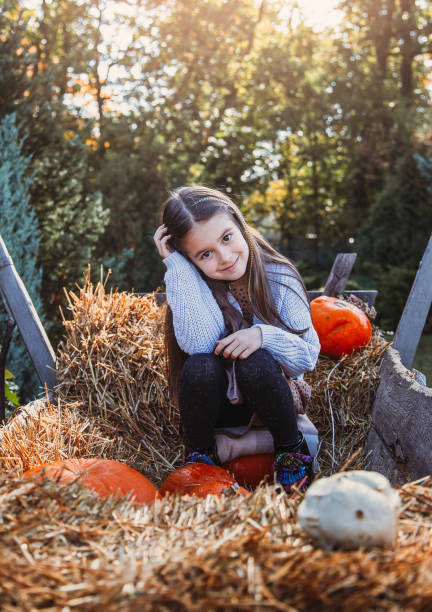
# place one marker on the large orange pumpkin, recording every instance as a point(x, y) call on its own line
point(185, 479)
point(341, 327)
point(102, 476)
point(250, 470)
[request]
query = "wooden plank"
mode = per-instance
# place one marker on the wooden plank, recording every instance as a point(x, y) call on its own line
point(416, 309)
point(419, 377)
point(18, 302)
point(339, 273)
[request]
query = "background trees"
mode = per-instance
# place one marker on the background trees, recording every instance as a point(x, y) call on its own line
point(323, 137)
point(390, 195)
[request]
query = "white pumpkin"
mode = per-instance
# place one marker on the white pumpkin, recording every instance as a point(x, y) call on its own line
point(351, 509)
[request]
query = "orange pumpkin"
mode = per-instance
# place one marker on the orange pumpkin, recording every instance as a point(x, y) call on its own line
point(102, 476)
point(341, 327)
point(187, 478)
point(249, 470)
point(216, 487)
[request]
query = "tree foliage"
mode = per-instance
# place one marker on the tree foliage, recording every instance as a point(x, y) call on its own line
point(63, 195)
point(315, 133)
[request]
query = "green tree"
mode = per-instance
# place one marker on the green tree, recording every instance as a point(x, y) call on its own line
point(197, 82)
point(300, 193)
point(396, 233)
point(133, 187)
point(303, 127)
point(14, 65)
point(63, 194)
point(379, 84)
point(191, 120)
point(72, 218)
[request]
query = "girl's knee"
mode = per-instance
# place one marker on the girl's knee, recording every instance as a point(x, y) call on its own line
point(259, 366)
point(201, 366)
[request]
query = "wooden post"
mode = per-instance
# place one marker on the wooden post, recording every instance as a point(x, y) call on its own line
point(18, 302)
point(416, 309)
point(339, 274)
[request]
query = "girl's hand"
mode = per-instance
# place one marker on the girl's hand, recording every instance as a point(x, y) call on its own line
point(240, 344)
point(161, 238)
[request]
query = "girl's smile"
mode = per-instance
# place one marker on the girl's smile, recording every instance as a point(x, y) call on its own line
point(231, 267)
point(217, 247)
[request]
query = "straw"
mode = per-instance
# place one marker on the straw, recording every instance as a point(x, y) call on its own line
point(111, 364)
point(61, 548)
point(343, 392)
point(111, 373)
point(41, 432)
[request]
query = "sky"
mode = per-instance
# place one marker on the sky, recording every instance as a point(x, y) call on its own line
point(320, 13)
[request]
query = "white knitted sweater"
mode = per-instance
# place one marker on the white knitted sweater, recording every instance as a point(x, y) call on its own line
point(198, 320)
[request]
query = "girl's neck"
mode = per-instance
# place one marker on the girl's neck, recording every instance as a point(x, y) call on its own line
point(239, 283)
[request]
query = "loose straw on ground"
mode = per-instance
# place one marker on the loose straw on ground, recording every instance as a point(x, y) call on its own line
point(63, 548)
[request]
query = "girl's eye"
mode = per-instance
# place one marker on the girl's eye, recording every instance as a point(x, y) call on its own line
point(227, 237)
point(205, 255)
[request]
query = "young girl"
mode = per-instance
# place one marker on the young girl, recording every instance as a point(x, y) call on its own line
point(237, 311)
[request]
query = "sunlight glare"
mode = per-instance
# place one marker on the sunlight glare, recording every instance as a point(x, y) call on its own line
point(320, 14)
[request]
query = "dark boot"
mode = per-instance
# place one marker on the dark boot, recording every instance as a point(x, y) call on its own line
point(293, 466)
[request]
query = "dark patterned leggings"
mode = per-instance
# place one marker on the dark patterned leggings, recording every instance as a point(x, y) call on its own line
point(204, 405)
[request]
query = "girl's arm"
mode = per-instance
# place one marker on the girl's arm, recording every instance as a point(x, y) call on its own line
point(296, 354)
point(198, 320)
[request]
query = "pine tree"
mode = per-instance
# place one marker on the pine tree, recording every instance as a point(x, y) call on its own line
point(72, 219)
point(19, 230)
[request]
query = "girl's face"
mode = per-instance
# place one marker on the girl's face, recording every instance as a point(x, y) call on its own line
point(217, 247)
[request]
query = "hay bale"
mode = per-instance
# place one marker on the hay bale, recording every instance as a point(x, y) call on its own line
point(341, 408)
point(41, 432)
point(63, 548)
point(112, 365)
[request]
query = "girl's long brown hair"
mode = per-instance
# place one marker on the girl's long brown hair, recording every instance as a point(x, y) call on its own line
point(179, 214)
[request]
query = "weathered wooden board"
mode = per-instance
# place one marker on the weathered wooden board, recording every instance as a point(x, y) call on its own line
point(339, 274)
point(416, 309)
point(400, 439)
point(18, 302)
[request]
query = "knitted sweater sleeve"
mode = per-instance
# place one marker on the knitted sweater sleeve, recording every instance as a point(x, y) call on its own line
point(295, 353)
point(197, 318)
